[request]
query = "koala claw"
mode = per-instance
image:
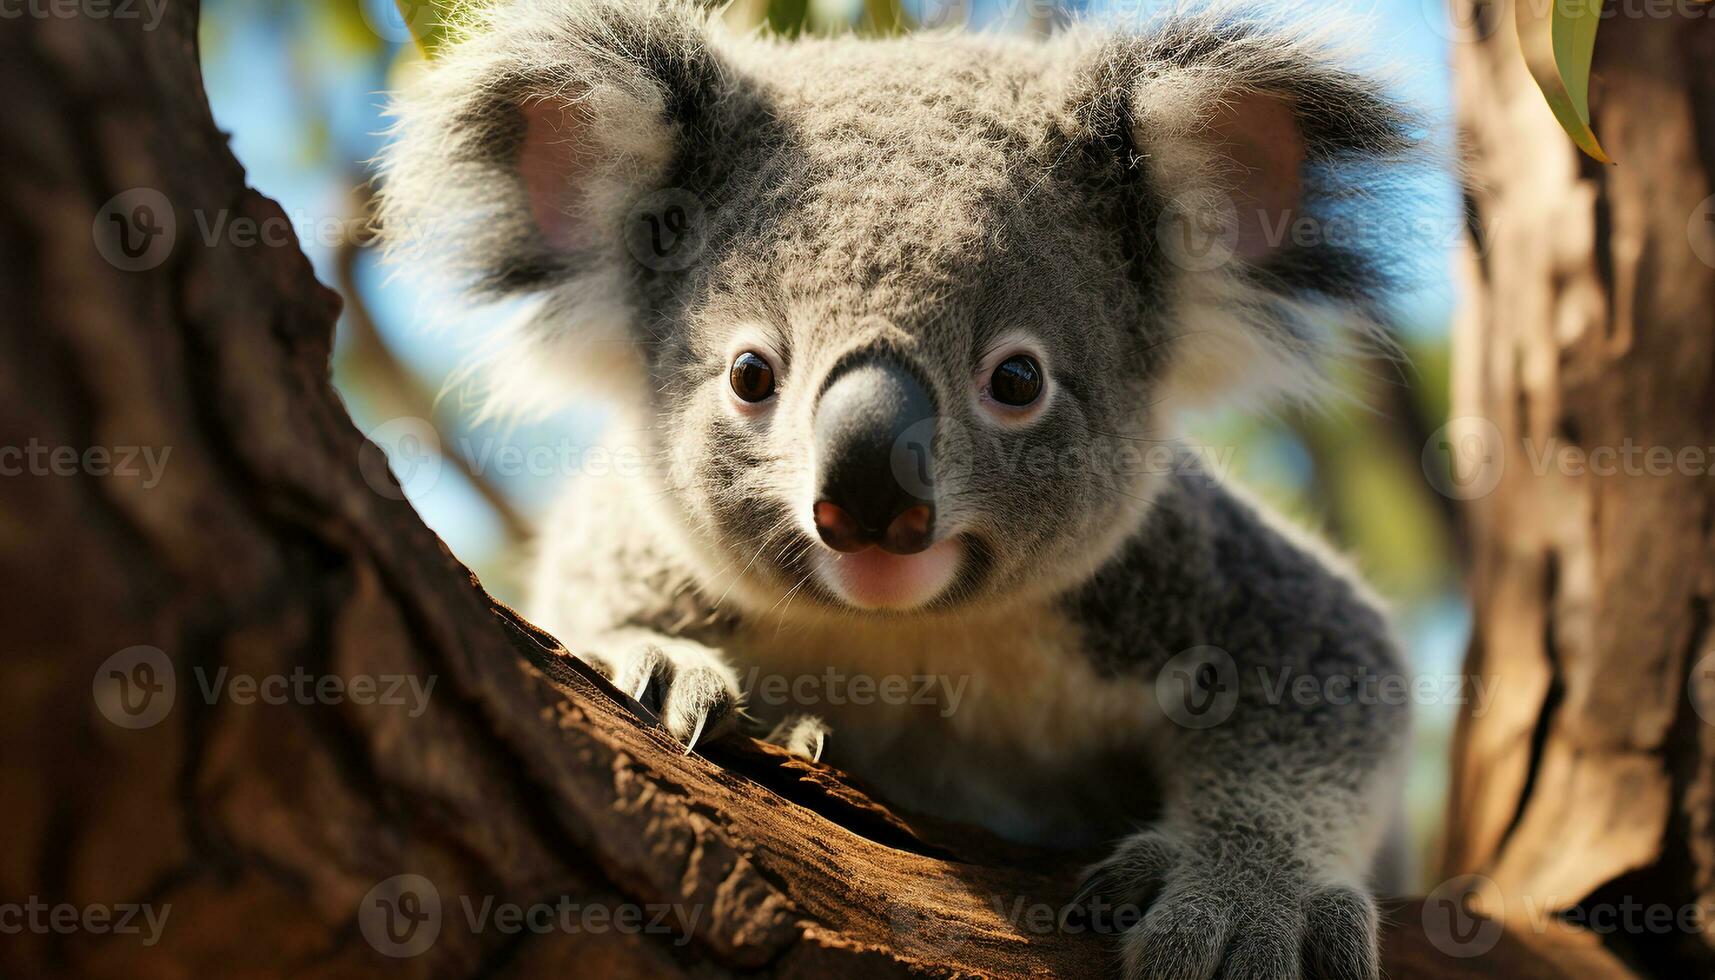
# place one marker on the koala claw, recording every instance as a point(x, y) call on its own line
point(1197, 913)
point(686, 685)
point(691, 743)
point(803, 735)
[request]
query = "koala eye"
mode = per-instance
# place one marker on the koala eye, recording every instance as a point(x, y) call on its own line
point(1017, 381)
point(752, 378)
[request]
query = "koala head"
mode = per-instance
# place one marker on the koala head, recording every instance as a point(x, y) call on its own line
point(904, 321)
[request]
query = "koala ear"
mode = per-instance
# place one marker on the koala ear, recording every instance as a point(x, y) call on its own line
point(517, 152)
point(516, 158)
point(1255, 137)
point(1283, 190)
point(558, 156)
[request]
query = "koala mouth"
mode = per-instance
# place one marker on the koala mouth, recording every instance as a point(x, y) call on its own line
point(881, 580)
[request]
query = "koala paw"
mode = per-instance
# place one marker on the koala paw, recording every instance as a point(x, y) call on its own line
point(1211, 911)
point(687, 686)
point(803, 735)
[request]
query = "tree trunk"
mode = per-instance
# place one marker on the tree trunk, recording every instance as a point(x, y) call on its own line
point(1585, 378)
point(248, 692)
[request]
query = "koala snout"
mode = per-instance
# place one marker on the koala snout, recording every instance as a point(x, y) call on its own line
point(873, 435)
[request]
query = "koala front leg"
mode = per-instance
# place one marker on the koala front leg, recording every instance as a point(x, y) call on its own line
point(690, 687)
point(1256, 869)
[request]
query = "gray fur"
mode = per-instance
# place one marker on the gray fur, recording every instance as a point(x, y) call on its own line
point(942, 199)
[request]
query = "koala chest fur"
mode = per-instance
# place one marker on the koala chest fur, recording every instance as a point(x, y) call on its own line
point(1000, 721)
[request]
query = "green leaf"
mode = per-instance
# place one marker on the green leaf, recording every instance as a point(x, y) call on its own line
point(1564, 76)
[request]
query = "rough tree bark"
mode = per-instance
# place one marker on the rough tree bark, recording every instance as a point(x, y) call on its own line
point(272, 545)
point(1589, 342)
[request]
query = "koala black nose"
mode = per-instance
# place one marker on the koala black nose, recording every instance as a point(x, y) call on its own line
point(873, 431)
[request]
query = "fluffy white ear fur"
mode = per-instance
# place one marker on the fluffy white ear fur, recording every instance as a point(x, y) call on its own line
point(1233, 163)
point(583, 160)
point(517, 155)
point(1242, 175)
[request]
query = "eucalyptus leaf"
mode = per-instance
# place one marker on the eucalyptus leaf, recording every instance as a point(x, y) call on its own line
point(1564, 76)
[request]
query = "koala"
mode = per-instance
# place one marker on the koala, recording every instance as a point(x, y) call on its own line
point(902, 331)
